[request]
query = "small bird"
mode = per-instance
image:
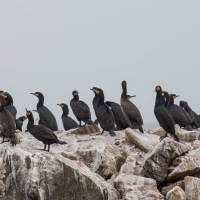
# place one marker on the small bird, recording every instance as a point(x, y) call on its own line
point(7, 123)
point(9, 104)
point(46, 117)
point(163, 116)
point(119, 117)
point(104, 114)
point(19, 122)
point(80, 109)
point(41, 132)
point(68, 122)
point(130, 111)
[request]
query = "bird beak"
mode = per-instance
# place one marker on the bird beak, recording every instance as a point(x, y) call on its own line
point(133, 96)
point(32, 93)
point(26, 109)
point(35, 110)
point(177, 95)
point(58, 104)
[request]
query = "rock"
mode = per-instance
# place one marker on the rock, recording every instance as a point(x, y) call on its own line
point(53, 177)
point(157, 163)
point(158, 131)
point(176, 194)
point(135, 187)
point(2, 169)
point(192, 186)
point(188, 167)
point(186, 135)
point(2, 189)
point(69, 155)
point(196, 144)
point(88, 129)
point(166, 189)
point(143, 141)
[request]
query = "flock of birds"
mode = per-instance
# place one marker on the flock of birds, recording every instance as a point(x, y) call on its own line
point(110, 115)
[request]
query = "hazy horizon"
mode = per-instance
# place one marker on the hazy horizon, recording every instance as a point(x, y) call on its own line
point(55, 47)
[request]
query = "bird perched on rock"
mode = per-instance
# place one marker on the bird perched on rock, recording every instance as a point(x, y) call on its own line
point(181, 118)
point(104, 114)
point(120, 120)
point(80, 109)
point(7, 123)
point(130, 111)
point(68, 122)
point(194, 117)
point(46, 117)
point(41, 132)
point(9, 104)
point(19, 122)
point(163, 116)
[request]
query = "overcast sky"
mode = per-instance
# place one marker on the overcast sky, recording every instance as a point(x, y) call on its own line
point(55, 47)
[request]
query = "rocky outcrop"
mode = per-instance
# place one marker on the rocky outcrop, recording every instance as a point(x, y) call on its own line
point(135, 187)
point(176, 194)
point(143, 141)
point(192, 186)
point(188, 167)
point(157, 163)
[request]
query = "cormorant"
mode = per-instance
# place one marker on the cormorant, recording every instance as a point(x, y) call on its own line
point(46, 117)
point(163, 116)
point(95, 99)
point(130, 111)
point(7, 123)
point(41, 132)
point(80, 109)
point(19, 122)
point(68, 122)
point(120, 120)
point(9, 104)
point(182, 119)
point(104, 114)
point(193, 115)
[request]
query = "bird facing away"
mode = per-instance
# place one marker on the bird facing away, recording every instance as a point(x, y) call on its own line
point(180, 117)
point(7, 123)
point(130, 111)
point(9, 104)
point(19, 122)
point(95, 99)
point(104, 114)
point(80, 109)
point(46, 117)
point(120, 120)
point(163, 116)
point(41, 133)
point(68, 122)
point(193, 115)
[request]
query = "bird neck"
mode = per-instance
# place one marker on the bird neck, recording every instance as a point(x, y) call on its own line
point(159, 99)
point(101, 99)
point(65, 111)
point(9, 102)
point(41, 101)
point(124, 91)
point(166, 99)
point(30, 123)
point(95, 99)
point(76, 98)
point(171, 101)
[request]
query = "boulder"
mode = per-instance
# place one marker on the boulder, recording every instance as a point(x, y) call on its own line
point(136, 187)
point(176, 194)
point(157, 163)
point(188, 167)
point(53, 177)
point(88, 129)
point(192, 186)
point(143, 141)
point(158, 131)
point(166, 189)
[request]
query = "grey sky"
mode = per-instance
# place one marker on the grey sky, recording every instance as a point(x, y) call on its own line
point(55, 47)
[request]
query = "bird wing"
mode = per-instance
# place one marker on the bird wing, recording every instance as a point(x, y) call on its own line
point(69, 123)
point(177, 113)
point(117, 111)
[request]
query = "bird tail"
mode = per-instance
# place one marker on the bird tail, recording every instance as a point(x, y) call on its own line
point(188, 128)
point(140, 128)
point(89, 122)
point(61, 142)
point(13, 141)
point(112, 133)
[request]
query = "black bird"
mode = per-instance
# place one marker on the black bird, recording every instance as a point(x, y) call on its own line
point(104, 114)
point(80, 109)
point(165, 98)
point(130, 111)
point(68, 122)
point(7, 123)
point(193, 115)
point(46, 117)
point(9, 104)
point(180, 117)
point(41, 133)
point(120, 120)
point(19, 122)
point(95, 99)
point(163, 116)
